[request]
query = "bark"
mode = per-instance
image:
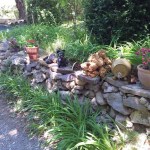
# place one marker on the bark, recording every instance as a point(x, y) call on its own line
point(21, 9)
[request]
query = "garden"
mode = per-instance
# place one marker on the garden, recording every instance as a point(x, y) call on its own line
point(80, 73)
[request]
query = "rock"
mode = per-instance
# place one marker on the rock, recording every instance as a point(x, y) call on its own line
point(147, 131)
point(84, 78)
point(39, 76)
point(4, 46)
point(17, 61)
point(112, 113)
point(64, 95)
point(77, 87)
point(91, 94)
point(49, 84)
point(123, 121)
point(107, 88)
point(99, 99)
point(79, 82)
point(135, 89)
point(140, 117)
point(94, 88)
point(133, 102)
point(64, 70)
point(67, 85)
point(94, 104)
point(81, 99)
point(148, 108)
point(77, 92)
point(116, 83)
point(143, 101)
point(72, 84)
point(115, 101)
point(54, 75)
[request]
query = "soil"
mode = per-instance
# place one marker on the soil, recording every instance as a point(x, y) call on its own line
point(13, 133)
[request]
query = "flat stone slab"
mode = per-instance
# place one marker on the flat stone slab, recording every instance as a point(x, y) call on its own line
point(136, 89)
point(81, 76)
point(117, 83)
point(64, 70)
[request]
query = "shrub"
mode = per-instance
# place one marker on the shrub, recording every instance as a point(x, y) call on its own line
point(120, 20)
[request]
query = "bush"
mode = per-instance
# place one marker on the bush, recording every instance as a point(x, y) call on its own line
point(120, 20)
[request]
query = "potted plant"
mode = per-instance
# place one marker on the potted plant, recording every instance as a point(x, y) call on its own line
point(144, 68)
point(32, 49)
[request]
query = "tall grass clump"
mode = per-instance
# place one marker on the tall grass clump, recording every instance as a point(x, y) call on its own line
point(72, 125)
point(78, 47)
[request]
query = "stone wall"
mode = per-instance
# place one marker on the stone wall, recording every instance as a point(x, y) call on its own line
point(127, 104)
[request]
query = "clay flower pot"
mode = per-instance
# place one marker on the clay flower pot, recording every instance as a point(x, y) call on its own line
point(144, 76)
point(32, 52)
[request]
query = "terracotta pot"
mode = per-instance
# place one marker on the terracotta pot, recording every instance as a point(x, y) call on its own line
point(121, 67)
point(144, 77)
point(32, 52)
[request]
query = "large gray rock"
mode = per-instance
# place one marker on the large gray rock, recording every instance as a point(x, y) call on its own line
point(64, 70)
point(141, 117)
point(49, 84)
point(99, 99)
point(4, 46)
point(116, 83)
point(39, 76)
point(81, 76)
point(135, 89)
point(116, 102)
point(107, 88)
point(133, 102)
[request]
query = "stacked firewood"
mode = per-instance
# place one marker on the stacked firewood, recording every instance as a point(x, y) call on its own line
point(98, 64)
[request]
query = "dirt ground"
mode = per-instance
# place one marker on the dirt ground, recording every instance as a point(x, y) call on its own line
point(13, 134)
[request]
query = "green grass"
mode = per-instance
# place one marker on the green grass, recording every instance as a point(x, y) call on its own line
point(78, 47)
point(73, 126)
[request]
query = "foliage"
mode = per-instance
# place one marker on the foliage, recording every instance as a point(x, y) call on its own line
point(121, 20)
point(145, 53)
point(77, 48)
point(73, 126)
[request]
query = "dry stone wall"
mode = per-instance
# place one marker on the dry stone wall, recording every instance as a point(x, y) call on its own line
point(127, 104)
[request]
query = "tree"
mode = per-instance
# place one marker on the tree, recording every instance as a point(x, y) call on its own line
point(21, 9)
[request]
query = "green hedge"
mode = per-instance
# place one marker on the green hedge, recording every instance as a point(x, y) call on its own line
point(122, 20)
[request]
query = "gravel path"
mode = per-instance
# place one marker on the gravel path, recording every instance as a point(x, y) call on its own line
point(12, 131)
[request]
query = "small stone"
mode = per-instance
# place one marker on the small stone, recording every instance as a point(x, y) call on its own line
point(91, 94)
point(79, 82)
point(54, 75)
point(67, 85)
point(148, 107)
point(112, 113)
point(49, 84)
point(121, 121)
point(39, 76)
point(77, 87)
point(72, 84)
point(107, 88)
point(94, 104)
point(78, 92)
point(148, 131)
point(67, 77)
point(143, 100)
point(94, 88)
point(99, 98)
point(64, 94)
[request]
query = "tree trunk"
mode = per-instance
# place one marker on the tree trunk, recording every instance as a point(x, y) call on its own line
point(21, 9)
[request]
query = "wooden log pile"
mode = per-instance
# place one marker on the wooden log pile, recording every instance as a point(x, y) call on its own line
point(98, 64)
